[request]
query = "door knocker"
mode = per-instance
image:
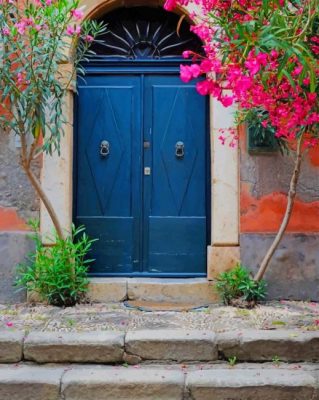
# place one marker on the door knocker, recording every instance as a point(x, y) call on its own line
point(104, 148)
point(179, 149)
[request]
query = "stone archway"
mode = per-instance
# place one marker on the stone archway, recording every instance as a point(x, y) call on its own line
point(57, 172)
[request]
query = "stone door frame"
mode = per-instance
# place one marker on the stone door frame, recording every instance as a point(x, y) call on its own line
point(57, 172)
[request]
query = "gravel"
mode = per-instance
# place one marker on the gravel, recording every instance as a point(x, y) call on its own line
point(101, 317)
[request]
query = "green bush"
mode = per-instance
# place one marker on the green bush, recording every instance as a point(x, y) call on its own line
point(237, 287)
point(58, 273)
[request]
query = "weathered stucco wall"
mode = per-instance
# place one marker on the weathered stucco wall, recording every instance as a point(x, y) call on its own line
point(264, 185)
point(18, 204)
point(264, 182)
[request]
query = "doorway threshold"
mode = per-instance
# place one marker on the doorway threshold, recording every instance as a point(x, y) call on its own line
point(159, 290)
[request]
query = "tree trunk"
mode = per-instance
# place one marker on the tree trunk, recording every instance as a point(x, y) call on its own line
point(45, 200)
point(290, 203)
point(26, 165)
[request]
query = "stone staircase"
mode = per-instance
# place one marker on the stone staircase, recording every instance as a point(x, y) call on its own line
point(160, 365)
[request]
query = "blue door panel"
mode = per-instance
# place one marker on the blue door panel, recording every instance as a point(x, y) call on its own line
point(114, 249)
point(146, 206)
point(178, 114)
point(175, 222)
point(108, 186)
point(177, 244)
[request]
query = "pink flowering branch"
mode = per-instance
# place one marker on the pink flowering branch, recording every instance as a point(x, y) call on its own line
point(34, 36)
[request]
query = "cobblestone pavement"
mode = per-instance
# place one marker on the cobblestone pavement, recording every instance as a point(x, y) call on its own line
point(104, 317)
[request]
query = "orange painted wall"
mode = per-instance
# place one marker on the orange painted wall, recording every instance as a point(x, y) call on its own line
point(10, 220)
point(314, 157)
point(265, 214)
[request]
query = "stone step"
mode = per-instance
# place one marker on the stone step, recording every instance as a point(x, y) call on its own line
point(109, 347)
point(264, 345)
point(23, 382)
point(159, 382)
point(176, 291)
point(91, 347)
point(172, 345)
point(254, 383)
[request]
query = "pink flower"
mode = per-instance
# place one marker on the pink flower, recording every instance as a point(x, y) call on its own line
point(77, 13)
point(202, 31)
point(170, 5)
point(195, 70)
point(207, 66)
point(185, 73)
point(9, 324)
point(21, 26)
point(189, 72)
point(203, 87)
point(48, 2)
point(6, 31)
point(21, 79)
point(315, 49)
point(262, 58)
point(297, 71)
point(227, 100)
point(253, 66)
point(312, 96)
point(315, 39)
point(73, 30)
point(70, 30)
point(233, 143)
point(88, 38)
point(306, 81)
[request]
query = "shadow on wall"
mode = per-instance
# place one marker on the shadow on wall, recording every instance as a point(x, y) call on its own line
point(294, 270)
point(13, 249)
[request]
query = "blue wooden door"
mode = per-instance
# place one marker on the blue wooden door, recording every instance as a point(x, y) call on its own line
point(175, 192)
point(108, 187)
point(145, 196)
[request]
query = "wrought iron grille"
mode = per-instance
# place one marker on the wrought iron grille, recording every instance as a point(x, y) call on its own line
point(145, 33)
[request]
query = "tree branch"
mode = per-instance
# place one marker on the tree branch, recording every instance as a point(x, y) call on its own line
point(290, 203)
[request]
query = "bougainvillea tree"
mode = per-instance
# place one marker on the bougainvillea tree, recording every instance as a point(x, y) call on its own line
point(262, 55)
point(35, 36)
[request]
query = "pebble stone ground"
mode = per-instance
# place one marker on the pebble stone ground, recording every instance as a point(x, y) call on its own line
point(104, 317)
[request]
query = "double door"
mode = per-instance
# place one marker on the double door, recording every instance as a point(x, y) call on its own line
point(141, 174)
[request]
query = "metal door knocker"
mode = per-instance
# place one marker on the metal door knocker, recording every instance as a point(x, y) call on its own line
point(179, 149)
point(104, 148)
